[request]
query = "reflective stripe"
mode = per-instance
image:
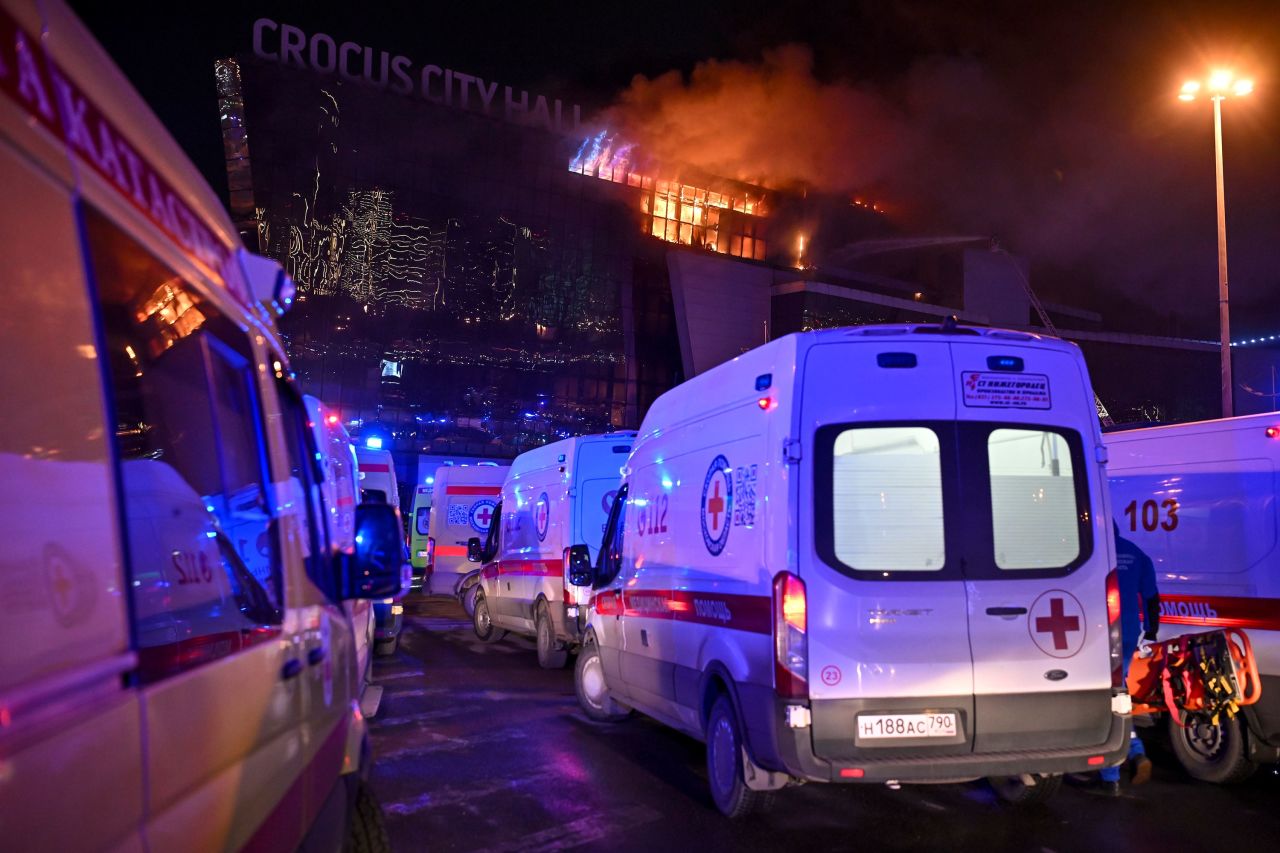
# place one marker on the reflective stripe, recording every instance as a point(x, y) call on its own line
point(375, 468)
point(472, 490)
point(751, 613)
point(451, 550)
point(1220, 611)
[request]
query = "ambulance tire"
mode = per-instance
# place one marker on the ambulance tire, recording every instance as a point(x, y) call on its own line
point(1014, 791)
point(729, 790)
point(485, 629)
point(549, 657)
point(469, 599)
point(1216, 754)
point(593, 693)
point(383, 648)
point(367, 829)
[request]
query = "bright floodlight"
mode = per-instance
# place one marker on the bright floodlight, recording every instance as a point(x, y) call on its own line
point(1242, 87)
point(1191, 87)
point(1220, 81)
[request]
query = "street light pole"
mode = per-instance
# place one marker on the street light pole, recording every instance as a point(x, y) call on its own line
point(1220, 84)
point(1224, 310)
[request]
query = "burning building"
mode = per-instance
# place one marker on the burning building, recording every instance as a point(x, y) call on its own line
point(530, 278)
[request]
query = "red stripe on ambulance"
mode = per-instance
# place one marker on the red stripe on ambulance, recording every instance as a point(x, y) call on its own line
point(751, 613)
point(1220, 611)
point(473, 490)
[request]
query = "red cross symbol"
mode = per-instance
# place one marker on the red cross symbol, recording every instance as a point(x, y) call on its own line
point(484, 515)
point(715, 506)
point(1057, 623)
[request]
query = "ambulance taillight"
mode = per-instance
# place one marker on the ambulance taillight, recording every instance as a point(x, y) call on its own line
point(431, 554)
point(1113, 630)
point(790, 637)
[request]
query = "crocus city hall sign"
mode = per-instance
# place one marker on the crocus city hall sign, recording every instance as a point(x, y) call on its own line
point(290, 46)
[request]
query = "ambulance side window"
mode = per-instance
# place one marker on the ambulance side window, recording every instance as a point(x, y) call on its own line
point(423, 521)
point(611, 547)
point(204, 578)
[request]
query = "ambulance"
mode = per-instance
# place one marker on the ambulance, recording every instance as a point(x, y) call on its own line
point(339, 479)
point(1201, 500)
point(177, 671)
point(463, 506)
point(377, 476)
point(420, 543)
point(876, 554)
point(555, 496)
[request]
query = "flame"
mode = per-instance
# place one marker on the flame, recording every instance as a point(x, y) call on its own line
point(674, 211)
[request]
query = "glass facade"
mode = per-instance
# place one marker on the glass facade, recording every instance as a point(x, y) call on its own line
point(460, 290)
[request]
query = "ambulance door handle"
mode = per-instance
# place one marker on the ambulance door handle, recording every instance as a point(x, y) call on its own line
point(1006, 611)
point(291, 669)
point(316, 655)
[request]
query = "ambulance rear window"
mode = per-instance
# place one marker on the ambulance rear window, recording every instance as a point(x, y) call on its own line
point(887, 495)
point(1034, 517)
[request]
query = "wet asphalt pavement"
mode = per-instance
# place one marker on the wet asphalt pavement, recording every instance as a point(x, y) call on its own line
point(477, 748)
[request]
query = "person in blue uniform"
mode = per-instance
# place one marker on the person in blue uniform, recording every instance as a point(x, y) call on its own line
point(1139, 617)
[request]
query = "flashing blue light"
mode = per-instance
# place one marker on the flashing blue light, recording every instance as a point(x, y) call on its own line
point(430, 480)
point(212, 534)
point(373, 442)
point(666, 482)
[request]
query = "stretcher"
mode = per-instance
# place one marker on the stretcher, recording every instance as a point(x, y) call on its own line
point(1195, 678)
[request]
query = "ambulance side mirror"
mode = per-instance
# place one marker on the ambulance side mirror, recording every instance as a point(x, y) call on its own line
point(581, 572)
point(377, 568)
point(475, 551)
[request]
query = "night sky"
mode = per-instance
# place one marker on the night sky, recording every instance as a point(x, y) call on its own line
point(1056, 129)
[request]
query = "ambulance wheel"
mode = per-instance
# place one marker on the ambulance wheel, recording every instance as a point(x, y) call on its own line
point(1013, 790)
point(724, 765)
point(1211, 753)
point(485, 629)
point(386, 647)
point(589, 684)
point(367, 830)
point(469, 599)
point(549, 657)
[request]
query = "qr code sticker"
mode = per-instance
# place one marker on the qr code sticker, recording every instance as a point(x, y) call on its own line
point(458, 514)
point(744, 496)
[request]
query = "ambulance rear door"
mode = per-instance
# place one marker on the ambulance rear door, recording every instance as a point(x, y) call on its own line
point(888, 646)
point(1036, 553)
point(598, 473)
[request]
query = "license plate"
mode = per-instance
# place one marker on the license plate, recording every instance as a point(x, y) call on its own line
point(893, 726)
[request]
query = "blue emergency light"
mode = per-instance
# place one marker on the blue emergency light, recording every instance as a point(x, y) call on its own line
point(1004, 362)
point(373, 442)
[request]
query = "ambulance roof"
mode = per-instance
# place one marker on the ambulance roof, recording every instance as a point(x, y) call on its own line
point(779, 359)
point(70, 44)
point(563, 452)
point(477, 474)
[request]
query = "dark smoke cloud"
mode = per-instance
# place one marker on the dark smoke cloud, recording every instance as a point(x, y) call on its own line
point(1099, 199)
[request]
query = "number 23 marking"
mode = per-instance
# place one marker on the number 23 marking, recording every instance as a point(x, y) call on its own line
point(1150, 512)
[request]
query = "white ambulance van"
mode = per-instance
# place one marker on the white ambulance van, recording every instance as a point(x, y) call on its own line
point(462, 507)
point(377, 476)
point(339, 469)
point(876, 554)
point(1202, 501)
point(555, 496)
point(177, 671)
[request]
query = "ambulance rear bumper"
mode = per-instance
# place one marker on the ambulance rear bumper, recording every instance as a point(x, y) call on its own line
point(776, 746)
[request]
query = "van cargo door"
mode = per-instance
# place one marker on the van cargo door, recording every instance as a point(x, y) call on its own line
point(1035, 560)
point(887, 622)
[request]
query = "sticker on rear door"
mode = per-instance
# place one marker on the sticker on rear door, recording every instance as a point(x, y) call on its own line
point(1006, 390)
